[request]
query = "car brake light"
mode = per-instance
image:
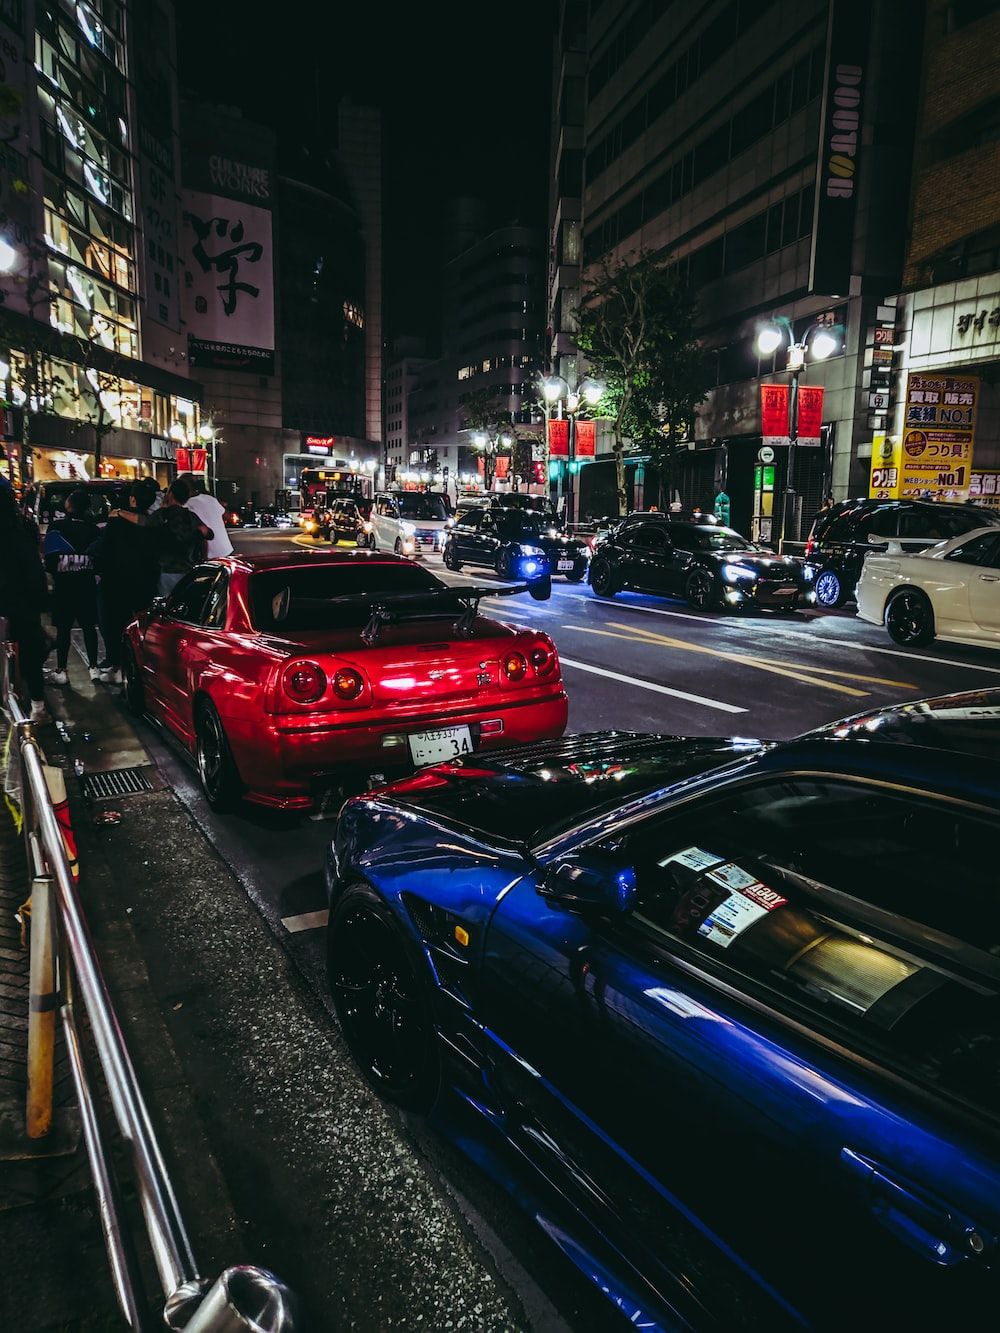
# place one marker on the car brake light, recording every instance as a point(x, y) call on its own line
point(543, 659)
point(515, 667)
point(304, 682)
point(347, 684)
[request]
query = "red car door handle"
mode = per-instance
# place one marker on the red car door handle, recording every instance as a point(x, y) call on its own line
point(918, 1218)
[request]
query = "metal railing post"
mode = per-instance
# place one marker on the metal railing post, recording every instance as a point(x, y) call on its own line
point(245, 1300)
point(43, 1001)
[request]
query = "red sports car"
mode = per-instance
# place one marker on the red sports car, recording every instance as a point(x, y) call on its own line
point(288, 674)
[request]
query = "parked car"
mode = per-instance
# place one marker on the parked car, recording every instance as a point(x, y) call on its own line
point(608, 524)
point(950, 592)
point(705, 563)
point(408, 522)
point(721, 1016)
point(843, 536)
point(516, 543)
point(284, 673)
point(50, 498)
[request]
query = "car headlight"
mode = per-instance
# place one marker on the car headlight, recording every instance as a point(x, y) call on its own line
point(532, 550)
point(808, 572)
point(738, 573)
point(367, 527)
point(408, 528)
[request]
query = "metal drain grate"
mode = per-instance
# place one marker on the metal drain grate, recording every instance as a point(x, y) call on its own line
point(117, 782)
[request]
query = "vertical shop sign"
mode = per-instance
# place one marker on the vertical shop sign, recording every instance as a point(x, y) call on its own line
point(810, 414)
point(938, 435)
point(774, 413)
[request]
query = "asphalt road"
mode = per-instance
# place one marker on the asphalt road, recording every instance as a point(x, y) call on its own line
point(637, 663)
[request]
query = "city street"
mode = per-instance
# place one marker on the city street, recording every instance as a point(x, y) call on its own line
point(634, 663)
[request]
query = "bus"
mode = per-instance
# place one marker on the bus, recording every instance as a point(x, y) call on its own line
point(320, 486)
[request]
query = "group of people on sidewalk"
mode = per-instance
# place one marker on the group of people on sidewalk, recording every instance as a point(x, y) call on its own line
point(102, 576)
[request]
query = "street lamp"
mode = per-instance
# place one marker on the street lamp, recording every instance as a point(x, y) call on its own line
point(207, 434)
point(491, 443)
point(819, 341)
point(568, 402)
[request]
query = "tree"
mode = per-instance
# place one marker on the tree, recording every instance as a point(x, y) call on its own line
point(483, 414)
point(521, 458)
point(636, 330)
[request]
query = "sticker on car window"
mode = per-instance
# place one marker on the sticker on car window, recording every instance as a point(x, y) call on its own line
point(739, 911)
point(695, 858)
point(732, 876)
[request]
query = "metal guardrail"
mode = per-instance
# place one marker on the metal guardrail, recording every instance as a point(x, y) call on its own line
point(64, 966)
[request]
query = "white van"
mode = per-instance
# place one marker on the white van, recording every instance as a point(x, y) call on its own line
point(409, 522)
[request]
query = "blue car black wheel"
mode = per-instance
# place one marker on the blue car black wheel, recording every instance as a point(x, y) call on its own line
point(381, 1001)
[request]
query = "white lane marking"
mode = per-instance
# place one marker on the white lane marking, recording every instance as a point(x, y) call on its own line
point(799, 635)
point(307, 921)
point(651, 685)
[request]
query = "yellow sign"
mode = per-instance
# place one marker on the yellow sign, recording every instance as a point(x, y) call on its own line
point(938, 434)
point(884, 480)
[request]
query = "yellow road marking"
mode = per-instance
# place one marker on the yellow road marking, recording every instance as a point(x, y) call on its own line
point(643, 636)
point(773, 661)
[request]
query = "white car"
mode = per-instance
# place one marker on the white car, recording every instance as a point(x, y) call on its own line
point(409, 522)
point(951, 591)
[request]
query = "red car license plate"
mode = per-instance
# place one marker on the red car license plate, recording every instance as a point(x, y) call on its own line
point(434, 747)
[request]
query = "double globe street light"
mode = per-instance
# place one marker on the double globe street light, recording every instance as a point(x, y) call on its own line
point(820, 341)
point(491, 443)
point(562, 401)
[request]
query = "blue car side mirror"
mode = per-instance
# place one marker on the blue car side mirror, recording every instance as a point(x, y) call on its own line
point(589, 879)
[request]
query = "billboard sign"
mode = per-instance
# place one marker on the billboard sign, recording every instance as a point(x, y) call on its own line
point(774, 414)
point(228, 255)
point(831, 259)
point(938, 434)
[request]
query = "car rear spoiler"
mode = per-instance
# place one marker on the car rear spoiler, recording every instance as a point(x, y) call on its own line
point(393, 608)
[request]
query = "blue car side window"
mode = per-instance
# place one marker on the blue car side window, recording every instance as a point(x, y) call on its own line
point(867, 913)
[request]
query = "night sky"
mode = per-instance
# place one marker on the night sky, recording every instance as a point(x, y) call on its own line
point(464, 93)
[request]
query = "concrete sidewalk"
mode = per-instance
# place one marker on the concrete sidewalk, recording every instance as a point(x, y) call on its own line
point(282, 1154)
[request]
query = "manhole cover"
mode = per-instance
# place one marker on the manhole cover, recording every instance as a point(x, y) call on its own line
point(117, 782)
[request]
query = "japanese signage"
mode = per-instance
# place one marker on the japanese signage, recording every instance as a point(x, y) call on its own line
point(227, 252)
point(559, 437)
point(984, 489)
point(810, 414)
point(586, 439)
point(884, 479)
point(157, 174)
point(774, 413)
point(938, 433)
point(831, 260)
point(192, 460)
point(983, 321)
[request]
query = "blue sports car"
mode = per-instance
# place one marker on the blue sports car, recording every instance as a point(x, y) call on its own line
point(725, 1016)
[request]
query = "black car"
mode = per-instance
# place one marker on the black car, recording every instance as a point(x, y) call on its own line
point(517, 544)
point(843, 535)
point(50, 498)
point(706, 563)
point(347, 521)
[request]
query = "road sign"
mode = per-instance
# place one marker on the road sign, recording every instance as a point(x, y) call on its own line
point(765, 454)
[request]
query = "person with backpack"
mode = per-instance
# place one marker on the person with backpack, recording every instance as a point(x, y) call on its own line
point(74, 584)
point(128, 573)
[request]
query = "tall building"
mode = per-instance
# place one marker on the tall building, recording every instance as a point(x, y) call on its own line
point(946, 326)
point(407, 361)
point(281, 254)
point(764, 146)
point(492, 322)
point(93, 362)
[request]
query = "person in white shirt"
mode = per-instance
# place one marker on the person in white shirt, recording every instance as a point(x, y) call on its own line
point(212, 514)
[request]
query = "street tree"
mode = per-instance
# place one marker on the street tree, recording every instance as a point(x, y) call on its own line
point(484, 415)
point(636, 331)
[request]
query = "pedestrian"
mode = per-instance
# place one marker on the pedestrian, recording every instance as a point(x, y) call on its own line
point(23, 594)
point(180, 537)
point(824, 509)
point(212, 513)
point(128, 573)
point(74, 584)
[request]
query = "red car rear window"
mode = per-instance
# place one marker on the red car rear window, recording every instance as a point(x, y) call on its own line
point(295, 600)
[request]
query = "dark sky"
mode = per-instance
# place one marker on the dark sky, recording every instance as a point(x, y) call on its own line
point(464, 93)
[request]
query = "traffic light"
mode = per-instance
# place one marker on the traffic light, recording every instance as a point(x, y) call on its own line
point(554, 467)
point(538, 472)
point(574, 467)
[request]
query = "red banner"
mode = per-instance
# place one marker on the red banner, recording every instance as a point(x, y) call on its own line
point(810, 413)
point(559, 437)
point(586, 439)
point(503, 467)
point(774, 413)
point(192, 460)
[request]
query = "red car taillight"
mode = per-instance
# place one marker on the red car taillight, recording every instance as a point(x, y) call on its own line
point(304, 682)
point(543, 659)
point(347, 684)
point(515, 667)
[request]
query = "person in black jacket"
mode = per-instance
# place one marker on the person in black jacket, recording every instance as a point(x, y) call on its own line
point(127, 570)
point(74, 586)
point(22, 595)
